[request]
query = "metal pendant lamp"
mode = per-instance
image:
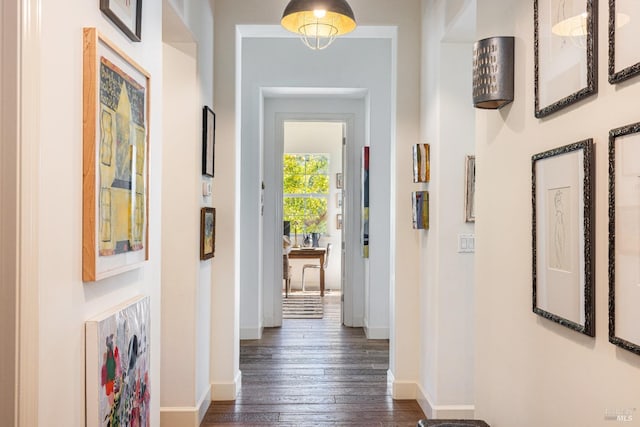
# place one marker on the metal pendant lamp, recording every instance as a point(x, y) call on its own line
point(318, 22)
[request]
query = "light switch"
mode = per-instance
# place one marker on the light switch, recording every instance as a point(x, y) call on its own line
point(466, 243)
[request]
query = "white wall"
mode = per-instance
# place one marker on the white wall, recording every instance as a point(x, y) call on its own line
point(66, 302)
point(186, 281)
point(529, 371)
point(319, 137)
point(447, 288)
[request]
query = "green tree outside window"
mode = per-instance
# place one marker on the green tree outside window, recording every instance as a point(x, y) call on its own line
point(306, 191)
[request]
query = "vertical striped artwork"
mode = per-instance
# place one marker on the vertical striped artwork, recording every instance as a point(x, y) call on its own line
point(365, 202)
point(420, 201)
point(421, 165)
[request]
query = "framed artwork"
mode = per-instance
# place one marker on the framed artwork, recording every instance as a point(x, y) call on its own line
point(365, 202)
point(421, 164)
point(624, 237)
point(338, 221)
point(208, 141)
point(207, 233)
point(420, 205)
point(563, 245)
point(470, 189)
point(117, 366)
point(115, 182)
point(339, 199)
point(565, 53)
point(624, 59)
point(339, 181)
point(126, 14)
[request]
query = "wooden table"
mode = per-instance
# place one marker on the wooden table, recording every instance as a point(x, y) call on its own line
point(311, 253)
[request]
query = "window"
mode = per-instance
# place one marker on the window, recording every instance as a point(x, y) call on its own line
point(306, 191)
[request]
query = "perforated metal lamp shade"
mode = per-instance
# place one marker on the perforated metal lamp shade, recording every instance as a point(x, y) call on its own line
point(318, 22)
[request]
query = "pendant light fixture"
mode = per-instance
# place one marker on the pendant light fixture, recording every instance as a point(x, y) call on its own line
point(318, 22)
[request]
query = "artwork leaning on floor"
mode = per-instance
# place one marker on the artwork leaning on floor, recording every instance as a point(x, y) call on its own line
point(117, 366)
point(420, 204)
point(563, 249)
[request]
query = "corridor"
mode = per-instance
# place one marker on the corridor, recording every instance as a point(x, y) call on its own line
point(314, 372)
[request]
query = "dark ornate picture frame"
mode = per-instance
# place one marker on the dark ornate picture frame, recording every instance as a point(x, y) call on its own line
point(617, 76)
point(555, 265)
point(616, 283)
point(207, 233)
point(133, 32)
point(208, 141)
point(590, 50)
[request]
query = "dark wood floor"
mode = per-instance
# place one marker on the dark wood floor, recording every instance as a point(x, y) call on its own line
point(314, 373)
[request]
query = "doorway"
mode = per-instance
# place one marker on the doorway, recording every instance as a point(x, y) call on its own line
point(312, 212)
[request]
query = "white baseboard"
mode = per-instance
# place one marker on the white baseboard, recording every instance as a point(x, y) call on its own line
point(401, 390)
point(251, 333)
point(226, 391)
point(186, 416)
point(444, 412)
point(376, 333)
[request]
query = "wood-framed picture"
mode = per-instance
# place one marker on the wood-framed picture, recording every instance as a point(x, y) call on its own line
point(421, 163)
point(339, 181)
point(624, 33)
point(565, 44)
point(207, 233)
point(470, 189)
point(208, 141)
point(338, 221)
point(624, 237)
point(126, 14)
point(115, 181)
point(562, 234)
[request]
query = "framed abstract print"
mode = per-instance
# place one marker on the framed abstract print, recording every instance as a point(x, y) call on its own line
point(420, 209)
point(118, 366)
point(115, 179)
point(565, 44)
point(208, 141)
point(562, 235)
point(126, 14)
point(624, 33)
point(624, 237)
point(421, 164)
point(207, 233)
point(364, 227)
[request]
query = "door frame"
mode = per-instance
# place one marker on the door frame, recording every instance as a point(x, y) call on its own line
point(353, 290)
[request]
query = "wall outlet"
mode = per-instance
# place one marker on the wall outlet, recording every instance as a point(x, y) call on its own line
point(466, 243)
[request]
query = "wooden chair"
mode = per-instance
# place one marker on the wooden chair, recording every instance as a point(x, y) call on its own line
point(326, 263)
point(286, 274)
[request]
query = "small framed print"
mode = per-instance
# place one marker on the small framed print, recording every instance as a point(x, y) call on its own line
point(421, 163)
point(470, 189)
point(562, 235)
point(624, 237)
point(339, 181)
point(207, 233)
point(420, 209)
point(208, 141)
point(339, 199)
point(338, 221)
point(565, 45)
point(624, 59)
point(126, 14)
